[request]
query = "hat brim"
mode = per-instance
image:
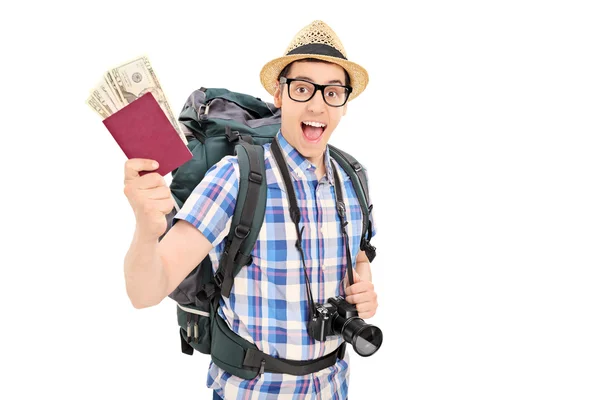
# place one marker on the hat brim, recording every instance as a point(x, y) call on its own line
point(359, 77)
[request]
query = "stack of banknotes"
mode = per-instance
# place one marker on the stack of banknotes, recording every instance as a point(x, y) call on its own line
point(124, 84)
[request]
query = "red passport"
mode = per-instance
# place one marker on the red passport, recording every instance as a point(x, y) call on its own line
point(142, 130)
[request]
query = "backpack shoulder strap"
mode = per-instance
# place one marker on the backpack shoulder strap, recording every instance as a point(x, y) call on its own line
point(358, 177)
point(248, 215)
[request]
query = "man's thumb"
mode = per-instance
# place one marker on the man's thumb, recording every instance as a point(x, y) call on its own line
point(355, 277)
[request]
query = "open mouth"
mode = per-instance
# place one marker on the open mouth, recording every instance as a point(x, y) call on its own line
point(313, 130)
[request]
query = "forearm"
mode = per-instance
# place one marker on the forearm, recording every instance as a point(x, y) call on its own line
point(363, 268)
point(145, 277)
point(362, 292)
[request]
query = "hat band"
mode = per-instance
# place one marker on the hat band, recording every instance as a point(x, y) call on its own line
point(317, 49)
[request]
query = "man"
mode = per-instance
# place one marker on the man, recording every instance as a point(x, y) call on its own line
point(312, 85)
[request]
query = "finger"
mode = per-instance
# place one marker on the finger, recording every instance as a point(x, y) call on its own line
point(151, 181)
point(158, 193)
point(359, 287)
point(166, 205)
point(133, 166)
point(361, 298)
point(355, 278)
point(367, 315)
point(368, 307)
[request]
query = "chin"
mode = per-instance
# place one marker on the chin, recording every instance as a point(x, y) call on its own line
point(313, 149)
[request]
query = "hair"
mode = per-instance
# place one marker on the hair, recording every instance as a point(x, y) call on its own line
point(287, 68)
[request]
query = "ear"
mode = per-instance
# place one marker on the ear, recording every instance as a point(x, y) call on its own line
point(277, 95)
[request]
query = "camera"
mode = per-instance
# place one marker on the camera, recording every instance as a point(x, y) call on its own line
point(338, 317)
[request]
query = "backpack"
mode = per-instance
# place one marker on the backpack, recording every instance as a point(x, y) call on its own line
point(217, 123)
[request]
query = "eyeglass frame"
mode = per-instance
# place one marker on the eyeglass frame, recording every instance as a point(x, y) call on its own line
point(284, 80)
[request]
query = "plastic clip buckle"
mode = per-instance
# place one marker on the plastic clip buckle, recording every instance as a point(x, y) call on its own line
point(219, 279)
point(255, 177)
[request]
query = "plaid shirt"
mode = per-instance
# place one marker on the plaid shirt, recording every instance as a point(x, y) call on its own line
point(268, 302)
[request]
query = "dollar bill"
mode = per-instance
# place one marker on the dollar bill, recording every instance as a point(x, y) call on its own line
point(97, 107)
point(109, 96)
point(135, 78)
point(112, 87)
point(97, 95)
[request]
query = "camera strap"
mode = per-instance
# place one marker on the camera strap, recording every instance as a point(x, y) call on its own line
point(341, 209)
point(295, 215)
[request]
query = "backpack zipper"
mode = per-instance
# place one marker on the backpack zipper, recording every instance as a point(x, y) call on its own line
point(194, 311)
point(196, 334)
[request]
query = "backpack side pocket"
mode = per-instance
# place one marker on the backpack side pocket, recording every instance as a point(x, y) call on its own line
point(194, 326)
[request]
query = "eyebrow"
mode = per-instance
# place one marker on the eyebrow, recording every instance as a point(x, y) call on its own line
point(306, 78)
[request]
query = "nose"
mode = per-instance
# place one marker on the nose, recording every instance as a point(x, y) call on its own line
point(317, 104)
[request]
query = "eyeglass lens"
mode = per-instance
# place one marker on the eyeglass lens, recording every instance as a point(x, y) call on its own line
point(303, 91)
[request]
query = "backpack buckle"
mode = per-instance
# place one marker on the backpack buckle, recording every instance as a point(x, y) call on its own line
point(207, 291)
point(219, 279)
point(232, 136)
point(255, 177)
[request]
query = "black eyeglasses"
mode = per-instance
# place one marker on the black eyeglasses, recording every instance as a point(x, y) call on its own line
point(302, 91)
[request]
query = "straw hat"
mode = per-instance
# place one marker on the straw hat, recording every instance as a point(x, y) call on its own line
point(316, 40)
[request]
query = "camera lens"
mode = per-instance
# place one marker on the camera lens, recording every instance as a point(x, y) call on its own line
point(366, 339)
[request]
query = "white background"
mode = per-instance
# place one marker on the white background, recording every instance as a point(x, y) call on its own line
point(480, 131)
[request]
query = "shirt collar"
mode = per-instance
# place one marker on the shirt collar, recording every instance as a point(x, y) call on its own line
point(298, 163)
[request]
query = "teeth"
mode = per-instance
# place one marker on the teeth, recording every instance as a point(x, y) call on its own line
point(315, 124)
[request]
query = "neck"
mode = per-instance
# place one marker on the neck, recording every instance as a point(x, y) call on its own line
point(319, 163)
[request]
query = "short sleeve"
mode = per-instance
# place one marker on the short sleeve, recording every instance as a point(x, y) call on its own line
point(211, 204)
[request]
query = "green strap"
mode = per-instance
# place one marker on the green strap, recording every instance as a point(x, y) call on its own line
point(242, 358)
point(248, 216)
point(358, 177)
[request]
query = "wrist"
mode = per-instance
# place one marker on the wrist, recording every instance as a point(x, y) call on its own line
point(143, 237)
